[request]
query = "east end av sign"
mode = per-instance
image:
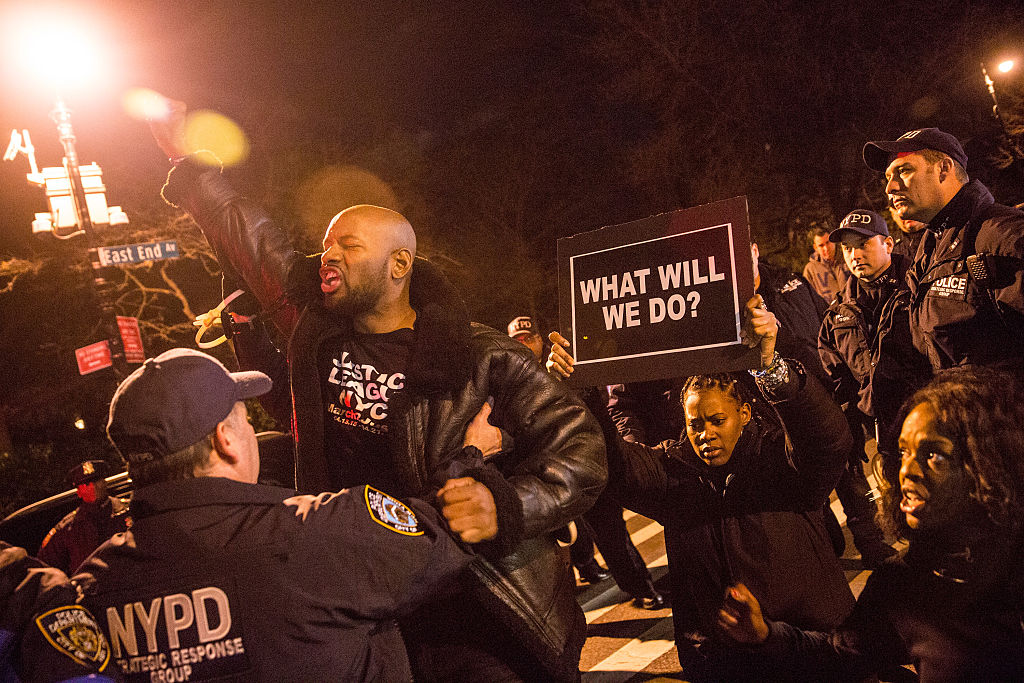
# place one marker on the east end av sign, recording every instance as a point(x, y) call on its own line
point(660, 297)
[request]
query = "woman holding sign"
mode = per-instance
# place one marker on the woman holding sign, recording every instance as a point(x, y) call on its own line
point(740, 495)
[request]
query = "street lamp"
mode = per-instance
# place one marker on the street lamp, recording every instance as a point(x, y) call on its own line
point(57, 54)
point(1003, 67)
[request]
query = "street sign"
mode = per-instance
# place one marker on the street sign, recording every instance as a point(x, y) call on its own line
point(131, 338)
point(93, 357)
point(127, 254)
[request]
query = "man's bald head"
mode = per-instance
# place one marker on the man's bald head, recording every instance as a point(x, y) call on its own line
point(367, 259)
point(390, 229)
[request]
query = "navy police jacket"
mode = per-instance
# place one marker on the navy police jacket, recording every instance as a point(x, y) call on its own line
point(225, 580)
point(955, 318)
point(44, 634)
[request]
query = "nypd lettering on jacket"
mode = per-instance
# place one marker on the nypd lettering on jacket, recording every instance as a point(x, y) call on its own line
point(950, 287)
point(177, 637)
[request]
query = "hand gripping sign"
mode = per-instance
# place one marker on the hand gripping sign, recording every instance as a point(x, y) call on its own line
point(659, 297)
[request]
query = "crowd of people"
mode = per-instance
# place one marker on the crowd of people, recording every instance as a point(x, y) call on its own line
point(441, 468)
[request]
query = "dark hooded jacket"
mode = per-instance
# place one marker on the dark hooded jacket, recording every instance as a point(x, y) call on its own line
point(762, 527)
point(556, 469)
point(957, 319)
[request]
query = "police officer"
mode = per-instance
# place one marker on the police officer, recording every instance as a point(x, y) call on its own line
point(220, 577)
point(97, 518)
point(865, 349)
point(967, 282)
point(44, 635)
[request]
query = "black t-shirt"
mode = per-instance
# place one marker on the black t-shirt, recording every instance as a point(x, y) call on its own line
point(359, 380)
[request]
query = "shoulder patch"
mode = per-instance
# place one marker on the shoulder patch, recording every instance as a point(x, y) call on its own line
point(72, 631)
point(392, 513)
point(791, 285)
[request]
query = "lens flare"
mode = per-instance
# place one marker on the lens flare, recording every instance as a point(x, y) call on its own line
point(209, 130)
point(1005, 66)
point(144, 104)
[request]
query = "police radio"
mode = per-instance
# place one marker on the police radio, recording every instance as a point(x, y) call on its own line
point(981, 269)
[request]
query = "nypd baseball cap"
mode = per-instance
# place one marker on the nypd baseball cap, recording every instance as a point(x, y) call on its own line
point(880, 153)
point(521, 325)
point(173, 401)
point(863, 222)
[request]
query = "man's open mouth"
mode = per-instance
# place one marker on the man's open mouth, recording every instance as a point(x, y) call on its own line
point(330, 279)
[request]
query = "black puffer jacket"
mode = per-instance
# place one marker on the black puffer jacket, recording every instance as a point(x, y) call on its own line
point(556, 470)
point(764, 528)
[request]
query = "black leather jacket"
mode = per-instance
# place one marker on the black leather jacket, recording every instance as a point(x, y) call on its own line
point(557, 467)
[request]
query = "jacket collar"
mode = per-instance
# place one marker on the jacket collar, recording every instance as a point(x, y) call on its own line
point(201, 491)
point(961, 207)
point(439, 359)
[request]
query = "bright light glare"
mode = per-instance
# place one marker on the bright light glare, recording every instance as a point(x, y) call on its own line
point(209, 130)
point(1005, 66)
point(144, 104)
point(79, 423)
point(55, 51)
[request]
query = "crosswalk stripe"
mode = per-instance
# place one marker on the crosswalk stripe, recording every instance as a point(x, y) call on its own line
point(635, 655)
point(649, 654)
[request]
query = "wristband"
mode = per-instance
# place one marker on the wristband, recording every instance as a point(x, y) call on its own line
point(772, 377)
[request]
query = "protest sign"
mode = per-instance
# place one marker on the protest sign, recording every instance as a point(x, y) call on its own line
point(659, 297)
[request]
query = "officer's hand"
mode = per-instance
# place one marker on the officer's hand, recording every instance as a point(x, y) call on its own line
point(469, 508)
point(169, 130)
point(560, 362)
point(761, 329)
point(483, 434)
point(740, 616)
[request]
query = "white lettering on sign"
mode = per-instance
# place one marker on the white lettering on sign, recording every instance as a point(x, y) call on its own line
point(610, 287)
point(689, 272)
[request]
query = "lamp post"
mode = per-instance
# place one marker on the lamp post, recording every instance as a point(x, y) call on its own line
point(1003, 67)
point(75, 193)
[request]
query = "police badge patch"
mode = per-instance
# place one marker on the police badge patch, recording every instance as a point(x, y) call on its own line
point(392, 513)
point(72, 631)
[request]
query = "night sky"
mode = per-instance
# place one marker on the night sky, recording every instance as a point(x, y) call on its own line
point(289, 74)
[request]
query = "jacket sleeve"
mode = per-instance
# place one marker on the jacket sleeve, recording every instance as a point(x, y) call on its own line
point(381, 556)
point(843, 385)
point(32, 598)
point(1009, 265)
point(819, 433)
point(623, 409)
point(54, 549)
point(865, 644)
point(559, 465)
point(247, 243)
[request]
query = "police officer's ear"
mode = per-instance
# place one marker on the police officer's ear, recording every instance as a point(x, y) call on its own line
point(889, 244)
point(945, 168)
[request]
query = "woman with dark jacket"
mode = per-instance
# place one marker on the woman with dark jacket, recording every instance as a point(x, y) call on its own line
point(953, 604)
point(740, 496)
